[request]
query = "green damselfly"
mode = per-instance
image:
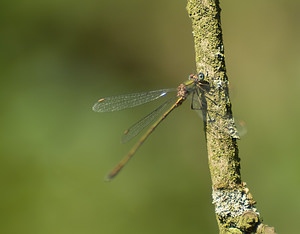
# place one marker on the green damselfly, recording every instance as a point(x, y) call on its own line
point(195, 87)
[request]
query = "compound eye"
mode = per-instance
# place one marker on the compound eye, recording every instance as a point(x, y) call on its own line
point(200, 76)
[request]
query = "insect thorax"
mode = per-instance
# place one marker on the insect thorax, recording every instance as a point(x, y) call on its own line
point(182, 91)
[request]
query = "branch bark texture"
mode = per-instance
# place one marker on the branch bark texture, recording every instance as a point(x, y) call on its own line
point(234, 204)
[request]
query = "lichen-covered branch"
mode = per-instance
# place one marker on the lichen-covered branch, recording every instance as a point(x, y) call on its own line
point(235, 207)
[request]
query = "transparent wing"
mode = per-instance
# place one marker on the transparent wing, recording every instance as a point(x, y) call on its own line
point(125, 101)
point(223, 124)
point(144, 122)
point(197, 103)
point(220, 124)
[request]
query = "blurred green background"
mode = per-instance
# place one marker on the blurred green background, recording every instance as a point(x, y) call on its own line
point(59, 57)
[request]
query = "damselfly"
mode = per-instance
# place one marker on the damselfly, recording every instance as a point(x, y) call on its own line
point(194, 87)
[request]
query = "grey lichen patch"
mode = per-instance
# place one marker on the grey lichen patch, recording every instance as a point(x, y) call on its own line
point(231, 203)
point(235, 213)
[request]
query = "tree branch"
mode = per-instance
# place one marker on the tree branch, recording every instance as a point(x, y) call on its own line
point(234, 205)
